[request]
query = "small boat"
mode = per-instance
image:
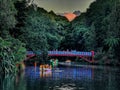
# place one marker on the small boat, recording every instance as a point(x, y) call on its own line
point(68, 62)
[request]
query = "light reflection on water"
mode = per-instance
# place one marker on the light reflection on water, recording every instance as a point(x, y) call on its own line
point(60, 73)
point(64, 78)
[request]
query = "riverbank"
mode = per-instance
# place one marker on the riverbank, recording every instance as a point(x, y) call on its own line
point(75, 64)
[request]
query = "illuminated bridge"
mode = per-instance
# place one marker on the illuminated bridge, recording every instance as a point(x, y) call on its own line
point(87, 56)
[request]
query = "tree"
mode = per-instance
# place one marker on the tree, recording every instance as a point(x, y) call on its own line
point(7, 19)
point(12, 51)
point(90, 39)
point(11, 54)
point(113, 34)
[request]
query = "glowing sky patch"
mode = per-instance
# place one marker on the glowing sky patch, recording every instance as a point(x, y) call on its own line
point(70, 16)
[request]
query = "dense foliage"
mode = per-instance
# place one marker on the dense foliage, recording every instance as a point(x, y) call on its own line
point(105, 15)
point(97, 29)
point(41, 30)
point(12, 51)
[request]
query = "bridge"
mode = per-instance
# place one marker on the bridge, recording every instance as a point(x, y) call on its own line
point(87, 56)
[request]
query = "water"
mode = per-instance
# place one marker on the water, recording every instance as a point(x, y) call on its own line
point(64, 78)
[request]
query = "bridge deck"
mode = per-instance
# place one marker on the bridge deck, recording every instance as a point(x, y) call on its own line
point(83, 55)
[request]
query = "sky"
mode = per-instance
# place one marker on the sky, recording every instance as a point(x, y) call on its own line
point(62, 6)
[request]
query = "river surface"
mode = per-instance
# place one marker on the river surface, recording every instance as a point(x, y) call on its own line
point(64, 78)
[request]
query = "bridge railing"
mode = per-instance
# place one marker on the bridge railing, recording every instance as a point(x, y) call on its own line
point(70, 53)
point(73, 53)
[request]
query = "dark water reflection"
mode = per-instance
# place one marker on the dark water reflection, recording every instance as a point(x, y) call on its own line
point(64, 78)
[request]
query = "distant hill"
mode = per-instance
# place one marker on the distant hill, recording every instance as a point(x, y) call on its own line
point(77, 13)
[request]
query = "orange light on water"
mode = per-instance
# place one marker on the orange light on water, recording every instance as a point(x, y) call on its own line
point(45, 74)
point(35, 64)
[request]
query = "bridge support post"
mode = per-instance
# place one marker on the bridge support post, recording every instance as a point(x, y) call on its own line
point(93, 53)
